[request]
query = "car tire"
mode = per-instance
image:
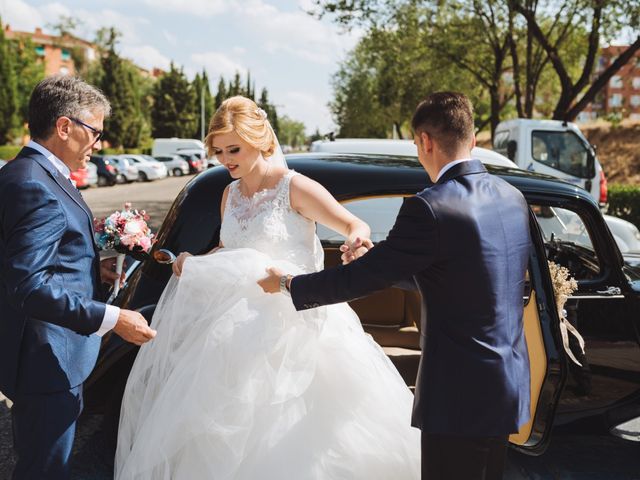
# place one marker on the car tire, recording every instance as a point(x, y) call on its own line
point(142, 177)
point(102, 181)
point(177, 172)
point(120, 178)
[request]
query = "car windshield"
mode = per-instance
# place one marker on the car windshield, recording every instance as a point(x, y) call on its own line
point(563, 151)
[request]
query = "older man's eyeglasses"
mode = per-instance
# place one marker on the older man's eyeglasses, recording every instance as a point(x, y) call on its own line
point(98, 133)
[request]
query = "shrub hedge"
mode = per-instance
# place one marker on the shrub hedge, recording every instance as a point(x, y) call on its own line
point(624, 202)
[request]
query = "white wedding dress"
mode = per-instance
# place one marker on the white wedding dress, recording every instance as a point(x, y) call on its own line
point(238, 385)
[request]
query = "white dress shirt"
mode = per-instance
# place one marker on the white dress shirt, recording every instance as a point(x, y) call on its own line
point(112, 312)
point(450, 165)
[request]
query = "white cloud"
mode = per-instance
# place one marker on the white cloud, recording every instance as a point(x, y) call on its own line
point(21, 16)
point(309, 109)
point(206, 8)
point(217, 64)
point(170, 37)
point(146, 56)
point(295, 32)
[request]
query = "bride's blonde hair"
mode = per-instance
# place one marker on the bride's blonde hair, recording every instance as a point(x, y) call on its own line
point(242, 115)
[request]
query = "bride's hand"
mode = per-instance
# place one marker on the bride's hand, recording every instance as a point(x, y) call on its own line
point(356, 249)
point(177, 265)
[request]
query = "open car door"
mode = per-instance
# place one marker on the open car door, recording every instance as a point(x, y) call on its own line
point(546, 353)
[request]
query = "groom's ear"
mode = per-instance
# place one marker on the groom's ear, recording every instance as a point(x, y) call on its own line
point(426, 142)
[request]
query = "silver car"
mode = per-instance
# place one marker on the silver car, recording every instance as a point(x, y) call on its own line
point(126, 169)
point(176, 165)
point(92, 175)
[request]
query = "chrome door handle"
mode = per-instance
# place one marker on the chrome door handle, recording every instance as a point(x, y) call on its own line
point(610, 291)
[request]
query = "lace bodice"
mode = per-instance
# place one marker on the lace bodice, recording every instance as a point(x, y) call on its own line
point(267, 223)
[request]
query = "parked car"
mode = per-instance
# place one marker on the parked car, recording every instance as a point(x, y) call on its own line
point(126, 170)
point(148, 170)
point(107, 173)
point(80, 178)
point(566, 227)
point(92, 175)
point(176, 165)
point(195, 159)
point(624, 232)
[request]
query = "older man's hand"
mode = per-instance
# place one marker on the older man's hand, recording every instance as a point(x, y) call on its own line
point(355, 249)
point(108, 271)
point(271, 283)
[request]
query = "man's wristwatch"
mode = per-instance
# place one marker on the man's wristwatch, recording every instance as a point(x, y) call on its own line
point(284, 284)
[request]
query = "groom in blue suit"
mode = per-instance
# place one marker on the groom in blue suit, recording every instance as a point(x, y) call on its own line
point(51, 316)
point(465, 241)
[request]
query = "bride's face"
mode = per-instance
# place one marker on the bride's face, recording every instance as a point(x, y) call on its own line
point(236, 155)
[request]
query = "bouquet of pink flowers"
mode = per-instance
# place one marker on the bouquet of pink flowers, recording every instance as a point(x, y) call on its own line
point(127, 233)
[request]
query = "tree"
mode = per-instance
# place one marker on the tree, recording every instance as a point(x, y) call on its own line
point(272, 114)
point(292, 132)
point(221, 94)
point(202, 89)
point(29, 70)
point(8, 89)
point(119, 84)
point(603, 17)
point(174, 106)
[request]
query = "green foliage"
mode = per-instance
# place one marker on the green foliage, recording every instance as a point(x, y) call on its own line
point(291, 132)
point(29, 71)
point(9, 152)
point(119, 82)
point(268, 107)
point(8, 89)
point(174, 106)
point(624, 202)
point(221, 95)
point(203, 99)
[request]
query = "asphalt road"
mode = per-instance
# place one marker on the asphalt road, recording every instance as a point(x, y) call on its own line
point(570, 456)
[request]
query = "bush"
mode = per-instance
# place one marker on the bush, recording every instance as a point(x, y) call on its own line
point(624, 202)
point(9, 152)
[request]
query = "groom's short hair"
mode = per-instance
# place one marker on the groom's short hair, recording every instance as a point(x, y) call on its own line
point(447, 117)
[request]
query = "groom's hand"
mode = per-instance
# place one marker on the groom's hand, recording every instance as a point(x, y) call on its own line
point(355, 249)
point(271, 283)
point(133, 328)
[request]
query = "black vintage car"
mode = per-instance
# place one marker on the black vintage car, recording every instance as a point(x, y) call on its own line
point(567, 228)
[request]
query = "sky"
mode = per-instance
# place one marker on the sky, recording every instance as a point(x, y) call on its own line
point(291, 53)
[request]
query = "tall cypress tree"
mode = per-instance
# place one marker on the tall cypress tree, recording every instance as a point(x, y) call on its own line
point(202, 89)
point(221, 94)
point(272, 114)
point(124, 126)
point(174, 106)
point(8, 89)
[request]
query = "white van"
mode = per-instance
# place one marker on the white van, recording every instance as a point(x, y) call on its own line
point(169, 146)
point(555, 148)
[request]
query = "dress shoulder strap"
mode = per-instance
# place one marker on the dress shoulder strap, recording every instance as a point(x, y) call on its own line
point(283, 194)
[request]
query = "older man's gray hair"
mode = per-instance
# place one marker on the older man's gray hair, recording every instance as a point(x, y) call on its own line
point(62, 96)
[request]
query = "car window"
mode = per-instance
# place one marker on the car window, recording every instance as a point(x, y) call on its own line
point(568, 241)
point(379, 212)
point(500, 142)
point(563, 151)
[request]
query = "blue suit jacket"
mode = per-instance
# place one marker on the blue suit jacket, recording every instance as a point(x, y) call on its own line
point(466, 242)
point(49, 280)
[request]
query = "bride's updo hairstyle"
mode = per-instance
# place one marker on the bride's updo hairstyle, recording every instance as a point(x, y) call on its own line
point(242, 115)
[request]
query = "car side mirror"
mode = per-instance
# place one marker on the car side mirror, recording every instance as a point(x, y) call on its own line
point(512, 147)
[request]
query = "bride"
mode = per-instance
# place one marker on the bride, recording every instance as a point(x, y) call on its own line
point(237, 384)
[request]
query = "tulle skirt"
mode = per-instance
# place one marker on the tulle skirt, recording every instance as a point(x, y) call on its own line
point(238, 385)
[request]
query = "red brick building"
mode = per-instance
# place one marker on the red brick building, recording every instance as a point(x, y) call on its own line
point(621, 95)
point(56, 52)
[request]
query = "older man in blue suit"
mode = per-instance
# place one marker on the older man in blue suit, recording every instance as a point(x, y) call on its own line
point(465, 241)
point(51, 316)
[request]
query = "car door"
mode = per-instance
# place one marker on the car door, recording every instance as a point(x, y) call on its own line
point(392, 317)
point(604, 310)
